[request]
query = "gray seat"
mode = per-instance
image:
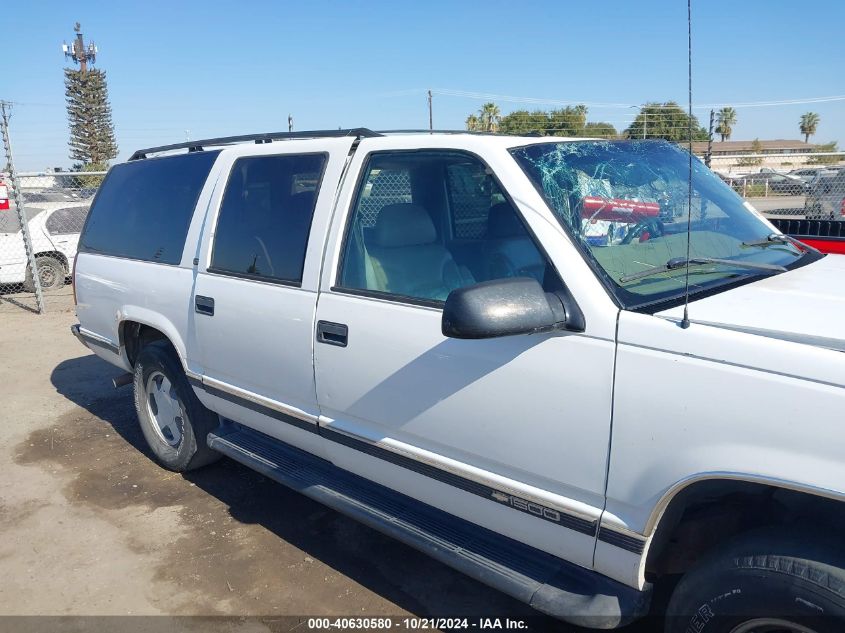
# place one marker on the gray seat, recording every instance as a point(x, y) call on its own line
point(406, 257)
point(510, 250)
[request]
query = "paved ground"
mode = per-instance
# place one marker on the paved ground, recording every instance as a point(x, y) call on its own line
point(780, 206)
point(91, 525)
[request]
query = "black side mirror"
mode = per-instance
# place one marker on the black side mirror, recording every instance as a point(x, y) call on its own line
point(505, 307)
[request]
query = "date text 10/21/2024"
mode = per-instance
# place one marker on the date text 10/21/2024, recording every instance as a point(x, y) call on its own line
point(414, 624)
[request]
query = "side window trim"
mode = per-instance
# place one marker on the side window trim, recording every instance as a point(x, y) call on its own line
point(336, 286)
point(291, 283)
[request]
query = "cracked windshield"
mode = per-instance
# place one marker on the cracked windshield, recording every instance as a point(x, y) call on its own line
point(627, 205)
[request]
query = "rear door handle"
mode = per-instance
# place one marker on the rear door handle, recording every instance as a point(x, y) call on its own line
point(332, 333)
point(204, 305)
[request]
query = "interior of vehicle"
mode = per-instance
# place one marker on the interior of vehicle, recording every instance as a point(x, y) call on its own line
point(265, 216)
point(426, 223)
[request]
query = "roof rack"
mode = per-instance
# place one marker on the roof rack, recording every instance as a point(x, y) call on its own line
point(266, 137)
point(427, 131)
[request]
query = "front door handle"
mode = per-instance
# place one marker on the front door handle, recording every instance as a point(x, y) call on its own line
point(204, 305)
point(332, 333)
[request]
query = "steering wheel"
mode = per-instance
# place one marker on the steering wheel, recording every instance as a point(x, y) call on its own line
point(651, 227)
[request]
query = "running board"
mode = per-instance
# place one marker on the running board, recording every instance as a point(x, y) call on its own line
point(545, 582)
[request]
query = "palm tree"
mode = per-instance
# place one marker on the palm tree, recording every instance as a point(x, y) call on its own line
point(473, 124)
point(727, 119)
point(809, 123)
point(490, 117)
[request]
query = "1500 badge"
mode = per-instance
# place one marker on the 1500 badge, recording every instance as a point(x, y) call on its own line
point(527, 506)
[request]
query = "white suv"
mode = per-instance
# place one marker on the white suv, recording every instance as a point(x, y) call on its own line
point(415, 330)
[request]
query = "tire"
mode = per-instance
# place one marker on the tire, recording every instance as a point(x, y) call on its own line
point(52, 273)
point(161, 387)
point(787, 578)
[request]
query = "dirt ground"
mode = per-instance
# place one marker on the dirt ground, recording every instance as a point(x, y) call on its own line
point(90, 525)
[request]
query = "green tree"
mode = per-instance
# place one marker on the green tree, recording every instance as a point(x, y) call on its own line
point(92, 139)
point(808, 124)
point(756, 148)
point(521, 122)
point(91, 182)
point(824, 160)
point(490, 116)
point(726, 119)
point(600, 130)
point(568, 121)
point(667, 121)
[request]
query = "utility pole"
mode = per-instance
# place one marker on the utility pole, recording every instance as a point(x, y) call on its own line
point(290, 123)
point(5, 115)
point(644, 112)
point(709, 153)
point(430, 115)
point(78, 52)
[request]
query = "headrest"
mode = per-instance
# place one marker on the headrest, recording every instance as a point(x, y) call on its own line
point(403, 224)
point(504, 222)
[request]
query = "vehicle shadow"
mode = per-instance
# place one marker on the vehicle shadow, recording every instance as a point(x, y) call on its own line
point(412, 581)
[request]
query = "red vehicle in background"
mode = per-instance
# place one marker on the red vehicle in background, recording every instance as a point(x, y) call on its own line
point(4, 196)
point(828, 236)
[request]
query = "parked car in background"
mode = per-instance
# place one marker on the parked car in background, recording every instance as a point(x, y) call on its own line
point(54, 228)
point(806, 174)
point(767, 182)
point(826, 196)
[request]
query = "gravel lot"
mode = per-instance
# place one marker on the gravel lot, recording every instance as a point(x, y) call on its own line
point(92, 526)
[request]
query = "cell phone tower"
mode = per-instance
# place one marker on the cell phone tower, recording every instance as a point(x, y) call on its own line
point(79, 52)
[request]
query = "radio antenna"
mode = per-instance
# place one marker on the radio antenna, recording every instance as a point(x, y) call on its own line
point(685, 320)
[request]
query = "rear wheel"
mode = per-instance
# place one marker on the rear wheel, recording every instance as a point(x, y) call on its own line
point(51, 274)
point(765, 582)
point(173, 420)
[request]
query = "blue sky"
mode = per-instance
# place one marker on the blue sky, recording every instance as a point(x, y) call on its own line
point(209, 68)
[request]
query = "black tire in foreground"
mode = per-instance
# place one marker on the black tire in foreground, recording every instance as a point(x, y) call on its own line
point(51, 273)
point(173, 420)
point(764, 582)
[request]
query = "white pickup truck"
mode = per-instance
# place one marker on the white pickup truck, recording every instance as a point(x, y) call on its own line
point(419, 331)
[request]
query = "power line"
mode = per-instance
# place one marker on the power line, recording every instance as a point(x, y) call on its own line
point(542, 101)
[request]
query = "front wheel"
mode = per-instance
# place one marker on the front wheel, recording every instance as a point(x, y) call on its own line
point(173, 420)
point(765, 582)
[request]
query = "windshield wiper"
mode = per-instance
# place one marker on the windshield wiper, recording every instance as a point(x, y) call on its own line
point(780, 238)
point(771, 240)
point(681, 262)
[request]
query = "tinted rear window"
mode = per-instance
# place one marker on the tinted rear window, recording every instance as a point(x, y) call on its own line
point(144, 208)
point(265, 218)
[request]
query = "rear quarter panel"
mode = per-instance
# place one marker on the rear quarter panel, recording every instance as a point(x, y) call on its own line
point(112, 290)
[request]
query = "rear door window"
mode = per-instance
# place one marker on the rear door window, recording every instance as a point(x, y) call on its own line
point(265, 217)
point(144, 207)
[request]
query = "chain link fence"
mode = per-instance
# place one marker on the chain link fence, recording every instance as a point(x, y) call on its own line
point(45, 220)
point(799, 186)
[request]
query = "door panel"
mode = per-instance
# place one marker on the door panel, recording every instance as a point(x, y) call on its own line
point(254, 335)
point(511, 433)
point(534, 409)
point(255, 290)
